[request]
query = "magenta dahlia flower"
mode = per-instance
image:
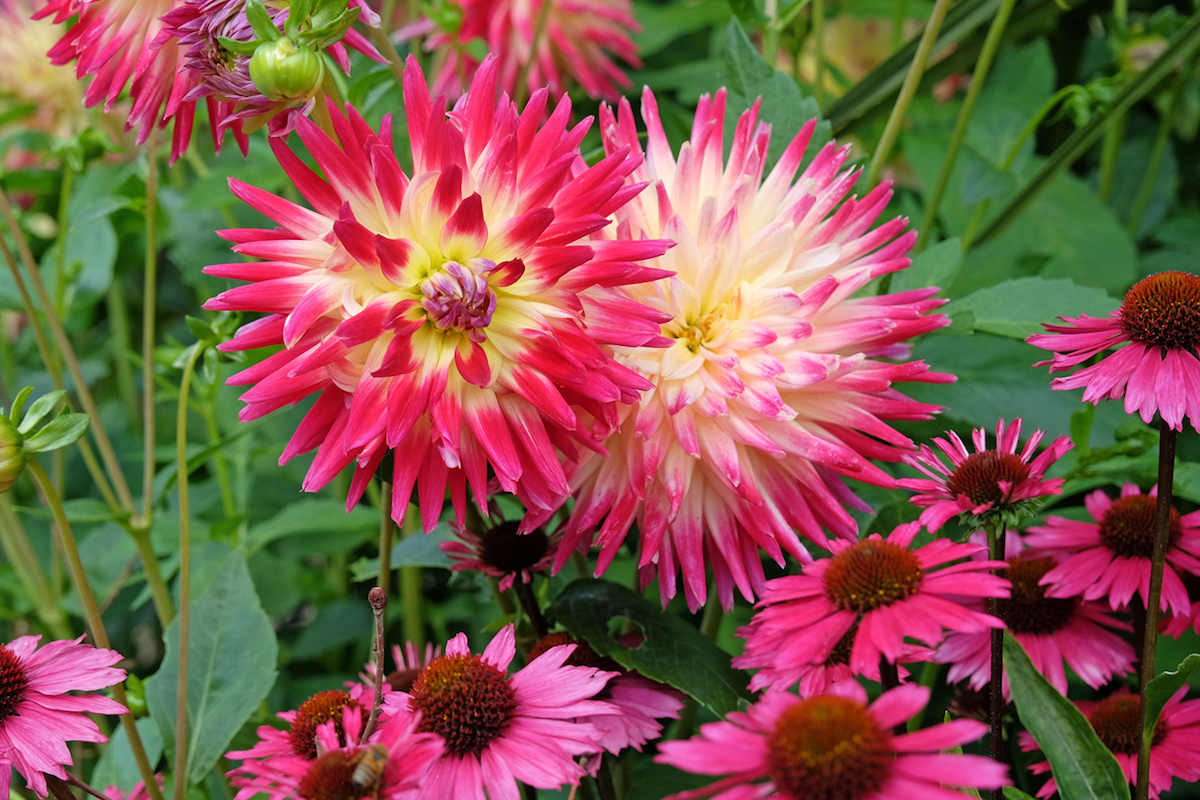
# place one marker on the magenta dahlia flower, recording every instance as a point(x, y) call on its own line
point(1156, 370)
point(985, 483)
point(499, 729)
point(1112, 556)
point(1052, 631)
point(501, 552)
point(833, 745)
point(1174, 751)
point(38, 716)
point(456, 317)
point(887, 590)
point(774, 384)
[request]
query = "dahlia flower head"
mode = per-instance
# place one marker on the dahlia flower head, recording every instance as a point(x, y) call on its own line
point(457, 316)
point(989, 484)
point(1156, 331)
point(1117, 720)
point(776, 383)
point(38, 716)
point(578, 45)
point(876, 594)
point(833, 745)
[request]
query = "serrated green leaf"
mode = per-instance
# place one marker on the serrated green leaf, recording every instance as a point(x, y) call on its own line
point(1017, 308)
point(673, 652)
point(1082, 766)
point(231, 667)
point(1164, 687)
point(416, 550)
point(310, 516)
point(64, 430)
point(40, 408)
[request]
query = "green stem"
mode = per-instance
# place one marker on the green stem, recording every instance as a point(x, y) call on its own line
point(208, 411)
point(770, 34)
point(1162, 529)
point(149, 302)
point(529, 602)
point(1156, 156)
point(387, 528)
point(64, 219)
point(163, 605)
point(907, 91)
point(899, 17)
point(521, 90)
point(990, 45)
point(92, 615)
point(19, 553)
point(118, 320)
point(818, 36)
point(710, 626)
point(384, 45)
point(185, 574)
point(410, 584)
point(1113, 138)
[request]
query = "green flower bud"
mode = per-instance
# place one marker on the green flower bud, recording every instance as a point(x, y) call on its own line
point(284, 70)
point(12, 454)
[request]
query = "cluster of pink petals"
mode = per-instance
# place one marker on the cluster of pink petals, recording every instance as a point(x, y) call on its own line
point(1089, 568)
point(40, 716)
point(641, 703)
point(774, 384)
point(576, 46)
point(470, 552)
point(941, 503)
point(456, 316)
point(738, 747)
point(798, 622)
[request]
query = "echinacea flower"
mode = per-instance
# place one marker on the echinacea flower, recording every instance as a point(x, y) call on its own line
point(834, 745)
point(1176, 626)
point(999, 482)
point(1156, 370)
point(38, 716)
point(500, 551)
point(1112, 556)
point(409, 663)
point(554, 44)
point(776, 383)
point(887, 590)
point(641, 702)
point(456, 317)
point(1174, 750)
point(498, 729)
point(138, 792)
point(1052, 631)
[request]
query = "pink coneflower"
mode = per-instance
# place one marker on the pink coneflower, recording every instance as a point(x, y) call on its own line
point(1157, 370)
point(1174, 751)
point(456, 317)
point(774, 386)
point(1179, 624)
point(1052, 631)
point(500, 551)
point(38, 716)
point(576, 46)
point(409, 663)
point(640, 701)
point(883, 587)
point(978, 485)
point(1112, 556)
point(498, 728)
point(834, 745)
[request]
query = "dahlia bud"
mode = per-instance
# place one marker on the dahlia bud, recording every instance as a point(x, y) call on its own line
point(12, 454)
point(284, 70)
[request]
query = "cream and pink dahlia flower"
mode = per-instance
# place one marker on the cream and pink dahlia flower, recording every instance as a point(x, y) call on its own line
point(834, 745)
point(457, 316)
point(1157, 370)
point(38, 716)
point(777, 383)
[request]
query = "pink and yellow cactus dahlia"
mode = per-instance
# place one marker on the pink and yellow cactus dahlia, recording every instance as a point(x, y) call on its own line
point(456, 316)
point(775, 383)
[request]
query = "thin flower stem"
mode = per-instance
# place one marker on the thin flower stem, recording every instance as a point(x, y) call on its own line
point(530, 604)
point(60, 244)
point(710, 626)
point(185, 574)
point(899, 16)
point(604, 781)
point(528, 792)
point(92, 616)
point(118, 322)
point(58, 787)
point(1156, 156)
point(15, 544)
point(521, 89)
point(379, 599)
point(770, 35)
point(889, 674)
point(159, 593)
point(71, 779)
point(387, 527)
point(149, 303)
point(410, 586)
point(1113, 138)
point(1162, 527)
point(384, 44)
point(818, 37)
point(996, 532)
point(990, 45)
point(907, 91)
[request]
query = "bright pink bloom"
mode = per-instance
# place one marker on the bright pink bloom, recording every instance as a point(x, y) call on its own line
point(1112, 556)
point(887, 590)
point(499, 729)
point(138, 792)
point(38, 716)
point(500, 551)
point(1179, 624)
point(1174, 751)
point(769, 750)
point(998, 481)
point(1052, 631)
point(774, 386)
point(1156, 370)
point(577, 46)
point(456, 317)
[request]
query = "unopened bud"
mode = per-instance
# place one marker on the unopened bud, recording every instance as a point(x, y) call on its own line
point(12, 454)
point(284, 70)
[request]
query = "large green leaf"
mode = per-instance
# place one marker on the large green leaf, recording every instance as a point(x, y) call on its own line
point(1163, 687)
point(1017, 308)
point(673, 652)
point(1082, 766)
point(415, 550)
point(311, 516)
point(231, 668)
point(117, 765)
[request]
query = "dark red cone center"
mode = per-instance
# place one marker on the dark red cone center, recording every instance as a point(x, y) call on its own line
point(583, 655)
point(1128, 526)
point(508, 551)
point(465, 701)
point(321, 707)
point(1029, 610)
point(979, 476)
point(1163, 311)
point(1118, 723)
point(12, 683)
point(871, 574)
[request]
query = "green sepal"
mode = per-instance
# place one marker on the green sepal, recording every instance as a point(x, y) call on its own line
point(18, 404)
point(261, 22)
point(239, 47)
point(62, 431)
point(40, 408)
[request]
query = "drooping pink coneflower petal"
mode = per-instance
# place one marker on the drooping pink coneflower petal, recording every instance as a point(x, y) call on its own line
point(502, 552)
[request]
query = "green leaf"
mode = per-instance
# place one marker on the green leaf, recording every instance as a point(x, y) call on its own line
point(241, 48)
point(231, 668)
point(40, 408)
point(936, 266)
point(1164, 687)
point(166, 479)
point(663, 24)
point(1083, 767)
point(64, 430)
point(1017, 308)
point(117, 766)
point(310, 516)
point(18, 404)
point(1013, 793)
point(261, 22)
point(415, 550)
point(673, 652)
